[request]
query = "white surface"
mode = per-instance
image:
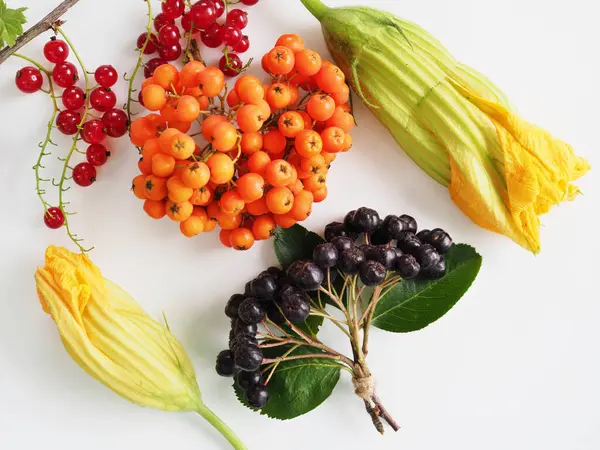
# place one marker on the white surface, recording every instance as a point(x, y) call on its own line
point(514, 366)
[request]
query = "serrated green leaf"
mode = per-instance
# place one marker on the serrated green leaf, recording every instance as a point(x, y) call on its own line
point(298, 386)
point(413, 304)
point(11, 24)
point(295, 243)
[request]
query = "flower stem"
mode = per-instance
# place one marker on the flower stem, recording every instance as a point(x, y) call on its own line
point(316, 7)
point(221, 427)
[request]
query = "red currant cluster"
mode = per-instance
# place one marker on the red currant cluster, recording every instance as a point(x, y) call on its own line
point(200, 18)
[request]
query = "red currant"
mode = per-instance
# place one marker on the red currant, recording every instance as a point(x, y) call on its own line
point(151, 66)
point(97, 155)
point(29, 79)
point(230, 35)
point(102, 99)
point(151, 46)
point(141, 98)
point(84, 174)
point(242, 46)
point(220, 7)
point(173, 8)
point(249, 2)
point(73, 98)
point(211, 37)
point(67, 122)
point(93, 131)
point(161, 20)
point(115, 122)
point(186, 22)
point(54, 218)
point(56, 51)
point(203, 14)
point(65, 74)
point(168, 35)
point(237, 18)
point(170, 52)
point(231, 65)
point(106, 76)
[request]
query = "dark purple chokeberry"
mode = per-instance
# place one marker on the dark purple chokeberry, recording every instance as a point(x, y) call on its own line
point(342, 243)
point(380, 237)
point(410, 224)
point(243, 328)
point(274, 313)
point(409, 243)
point(233, 304)
point(276, 272)
point(423, 236)
point(257, 396)
point(440, 240)
point(407, 267)
point(397, 251)
point(349, 221)
point(437, 270)
point(265, 286)
point(366, 220)
point(247, 379)
point(383, 255)
point(251, 311)
point(248, 357)
point(296, 308)
point(248, 288)
point(287, 290)
point(393, 227)
point(350, 260)
point(225, 364)
point(371, 273)
point(241, 340)
point(306, 275)
point(427, 256)
point(325, 255)
point(335, 229)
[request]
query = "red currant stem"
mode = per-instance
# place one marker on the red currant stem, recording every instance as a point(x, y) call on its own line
point(63, 176)
point(47, 23)
point(130, 89)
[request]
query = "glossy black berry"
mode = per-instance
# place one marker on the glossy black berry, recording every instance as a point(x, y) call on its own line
point(410, 224)
point(427, 256)
point(349, 223)
point(247, 379)
point(342, 243)
point(276, 272)
point(233, 304)
point(241, 340)
point(437, 270)
point(243, 328)
point(325, 255)
point(257, 396)
point(232, 337)
point(383, 254)
point(248, 288)
point(423, 236)
point(296, 308)
point(366, 220)
point(251, 311)
point(225, 364)
point(350, 260)
point(393, 227)
point(306, 275)
point(371, 273)
point(287, 290)
point(397, 251)
point(248, 357)
point(332, 230)
point(380, 237)
point(409, 243)
point(440, 240)
point(274, 314)
point(265, 286)
point(407, 267)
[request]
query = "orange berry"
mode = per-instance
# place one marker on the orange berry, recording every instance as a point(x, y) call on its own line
point(249, 119)
point(166, 76)
point(225, 238)
point(211, 81)
point(333, 139)
point(155, 188)
point(291, 41)
point(189, 75)
point(296, 187)
point(184, 127)
point(178, 191)
point(314, 165)
point(280, 200)
point(308, 143)
point(224, 137)
point(200, 212)
point(348, 142)
point(341, 119)
point(230, 222)
point(210, 225)
point(182, 146)
point(264, 227)
point(138, 186)
point(258, 162)
point(279, 173)
point(192, 226)
point(308, 121)
point(330, 157)
point(320, 195)
point(203, 102)
point(166, 138)
point(221, 168)
point(233, 99)
point(145, 166)
point(258, 207)
point(187, 109)
point(231, 202)
point(168, 111)
point(280, 60)
point(196, 175)
point(315, 182)
point(242, 239)
point(210, 123)
point(141, 131)
point(147, 82)
point(284, 220)
point(244, 81)
point(251, 187)
point(251, 143)
point(155, 209)
point(263, 62)
point(201, 197)
point(294, 94)
point(330, 78)
point(302, 206)
point(213, 211)
point(278, 96)
point(151, 148)
point(250, 92)
point(341, 97)
point(320, 107)
point(179, 212)
point(154, 97)
point(290, 124)
point(274, 142)
point(163, 165)
point(308, 62)
point(265, 109)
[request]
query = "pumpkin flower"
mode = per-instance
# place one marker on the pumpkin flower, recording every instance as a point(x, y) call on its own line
point(111, 337)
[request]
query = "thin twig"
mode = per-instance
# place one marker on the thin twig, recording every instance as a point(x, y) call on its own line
point(313, 355)
point(139, 62)
point(384, 413)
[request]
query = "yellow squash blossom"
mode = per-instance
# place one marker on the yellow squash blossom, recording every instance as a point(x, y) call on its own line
point(111, 337)
point(459, 127)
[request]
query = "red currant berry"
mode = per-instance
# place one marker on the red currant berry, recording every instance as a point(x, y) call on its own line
point(65, 74)
point(242, 46)
point(84, 174)
point(170, 52)
point(151, 66)
point(186, 22)
point(237, 18)
point(54, 218)
point(115, 122)
point(168, 35)
point(249, 2)
point(102, 99)
point(173, 8)
point(141, 98)
point(29, 79)
point(93, 131)
point(230, 35)
point(97, 155)
point(220, 7)
point(67, 122)
point(211, 37)
point(56, 51)
point(151, 46)
point(231, 65)
point(73, 98)
point(161, 20)
point(203, 14)
point(106, 76)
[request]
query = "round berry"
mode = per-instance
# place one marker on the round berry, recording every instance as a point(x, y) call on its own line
point(276, 272)
point(73, 98)
point(106, 76)
point(342, 243)
point(383, 254)
point(407, 267)
point(306, 275)
point(251, 311)
point(248, 357)
point(427, 256)
point(349, 221)
point(102, 99)
point(393, 227)
point(247, 379)
point(233, 305)
point(54, 218)
point(56, 51)
point(170, 52)
point(436, 270)
point(249, 2)
point(241, 340)
point(211, 37)
point(225, 366)
point(380, 237)
point(97, 155)
point(161, 20)
point(247, 329)
point(409, 243)
point(296, 308)
point(230, 35)
point(173, 8)
point(242, 46)
point(398, 252)
point(335, 229)
point(84, 174)
point(238, 18)
point(325, 255)
point(168, 35)
point(366, 220)
point(257, 396)
point(410, 224)
point(423, 235)
point(287, 291)
point(265, 287)
point(220, 7)
point(115, 122)
point(350, 260)
point(440, 240)
point(274, 313)
point(29, 79)
point(151, 66)
point(93, 131)
point(231, 65)
point(371, 273)
point(151, 46)
point(203, 14)
point(68, 122)
point(186, 23)
point(65, 74)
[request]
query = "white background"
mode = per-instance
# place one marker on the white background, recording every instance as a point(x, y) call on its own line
point(515, 365)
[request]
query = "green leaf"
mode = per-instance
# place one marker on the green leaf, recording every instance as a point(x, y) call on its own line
point(11, 24)
point(295, 243)
point(297, 386)
point(413, 304)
